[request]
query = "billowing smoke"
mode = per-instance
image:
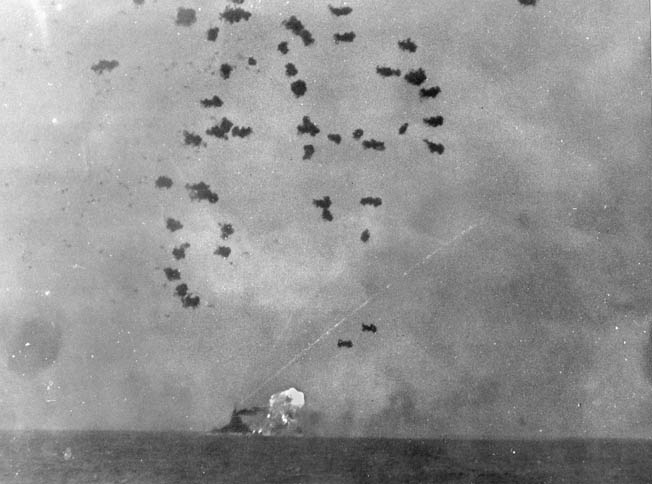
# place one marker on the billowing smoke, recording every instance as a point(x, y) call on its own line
point(282, 415)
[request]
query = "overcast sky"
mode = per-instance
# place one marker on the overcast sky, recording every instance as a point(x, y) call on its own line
point(536, 322)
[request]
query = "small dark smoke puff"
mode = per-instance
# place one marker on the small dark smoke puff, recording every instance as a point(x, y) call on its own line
point(191, 139)
point(225, 70)
point(223, 251)
point(308, 151)
point(283, 48)
point(294, 25)
point(345, 37)
point(373, 144)
point(186, 16)
point(213, 102)
point(365, 235)
point(172, 274)
point(306, 37)
point(430, 92)
point(434, 147)
point(528, 2)
point(403, 128)
point(212, 34)
point(307, 127)
point(227, 231)
point(180, 252)
point(189, 301)
point(434, 121)
point(34, 347)
point(387, 71)
point(358, 133)
point(104, 65)
point(173, 225)
point(241, 132)
point(337, 11)
point(374, 201)
point(181, 290)
point(335, 138)
point(290, 70)
point(251, 61)
point(221, 130)
point(325, 202)
point(234, 15)
point(299, 87)
point(201, 191)
point(407, 45)
point(163, 182)
point(416, 77)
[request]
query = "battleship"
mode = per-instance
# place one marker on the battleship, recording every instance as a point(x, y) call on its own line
point(236, 426)
point(280, 418)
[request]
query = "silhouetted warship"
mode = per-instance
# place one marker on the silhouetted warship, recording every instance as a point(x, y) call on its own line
point(235, 427)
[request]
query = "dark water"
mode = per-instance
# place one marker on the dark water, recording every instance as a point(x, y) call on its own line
point(122, 457)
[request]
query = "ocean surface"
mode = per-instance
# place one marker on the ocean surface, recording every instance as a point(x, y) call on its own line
point(145, 457)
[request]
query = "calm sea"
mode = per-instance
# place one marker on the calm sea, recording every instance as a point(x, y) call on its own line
point(124, 457)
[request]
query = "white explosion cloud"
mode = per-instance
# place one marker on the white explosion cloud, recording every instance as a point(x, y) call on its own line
point(282, 413)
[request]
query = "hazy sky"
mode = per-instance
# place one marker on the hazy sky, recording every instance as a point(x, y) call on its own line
point(534, 323)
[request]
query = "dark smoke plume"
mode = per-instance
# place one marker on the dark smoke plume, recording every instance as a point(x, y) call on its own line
point(307, 127)
point(295, 26)
point(416, 77)
point(221, 130)
point(172, 274)
point(186, 16)
point(338, 11)
point(308, 151)
point(201, 191)
point(290, 70)
point(232, 15)
point(324, 204)
point(407, 45)
point(345, 37)
point(299, 87)
point(212, 33)
point(227, 231)
point(373, 144)
point(191, 139)
point(180, 252)
point(104, 65)
point(225, 70)
point(387, 71)
point(173, 225)
point(434, 147)
point(163, 182)
point(375, 201)
point(241, 132)
point(429, 92)
point(223, 251)
point(251, 411)
point(335, 138)
point(434, 121)
point(214, 102)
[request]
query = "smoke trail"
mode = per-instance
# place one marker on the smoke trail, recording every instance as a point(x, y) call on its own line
point(347, 316)
point(41, 22)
